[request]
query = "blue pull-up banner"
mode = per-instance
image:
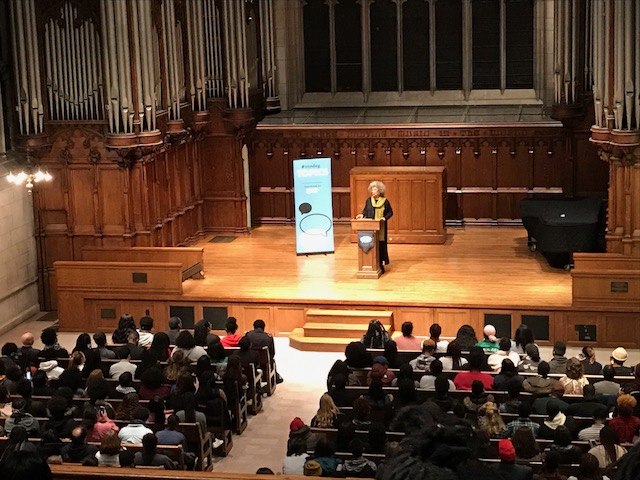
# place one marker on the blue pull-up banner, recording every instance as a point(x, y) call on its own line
point(314, 206)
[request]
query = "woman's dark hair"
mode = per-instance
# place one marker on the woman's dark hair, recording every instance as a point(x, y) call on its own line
point(508, 368)
point(455, 352)
point(523, 336)
point(435, 330)
point(476, 361)
point(92, 362)
point(216, 351)
point(609, 439)
point(149, 447)
point(357, 356)
point(466, 337)
point(152, 378)
point(323, 448)
point(376, 391)
point(89, 417)
point(157, 406)
point(25, 464)
point(200, 332)
point(405, 371)
point(234, 369)
point(185, 382)
point(391, 352)
point(18, 438)
point(525, 443)
point(39, 379)
point(406, 391)
point(125, 379)
point(296, 446)
point(83, 343)
point(98, 389)
point(189, 407)
point(375, 336)
point(436, 367)
point(589, 468)
point(361, 409)
point(19, 407)
point(562, 436)
point(551, 461)
point(126, 325)
point(629, 464)
point(160, 344)
point(185, 340)
point(339, 367)
point(407, 329)
point(130, 402)
point(231, 327)
point(203, 365)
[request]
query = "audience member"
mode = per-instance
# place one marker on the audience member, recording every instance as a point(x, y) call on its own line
point(490, 421)
point(625, 423)
point(618, 357)
point(555, 418)
point(540, 385)
point(101, 345)
point(489, 343)
point(573, 380)
point(507, 466)
point(28, 354)
point(473, 402)
point(51, 368)
point(232, 338)
point(134, 432)
point(19, 416)
point(526, 446)
point(569, 453)
point(188, 412)
point(523, 421)
point(327, 415)
point(589, 469)
point(463, 380)
point(558, 364)
point(530, 362)
point(135, 350)
point(299, 431)
point(609, 450)
point(435, 330)
point(357, 466)
point(356, 355)
point(407, 341)
point(25, 464)
point(422, 362)
point(170, 435)
point(607, 386)
point(52, 349)
point(126, 325)
point(145, 337)
point(98, 423)
point(78, 449)
point(522, 338)
point(380, 369)
point(124, 365)
point(175, 325)
point(589, 363)
point(550, 468)
point(504, 352)
point(555, 396)
point(375, 336)
point(202, 333)
point(508, 375)
point(186, 344)
point(585, 406)
point(453, 360)
point(109, 453)
point(428, 381)
point(466, 337)
point(592, 433)
point(324, 458)
point(150, 456)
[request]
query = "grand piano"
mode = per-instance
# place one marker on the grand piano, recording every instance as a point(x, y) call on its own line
point(559, 227)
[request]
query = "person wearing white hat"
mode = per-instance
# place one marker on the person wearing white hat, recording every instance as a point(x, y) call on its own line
point(490, 343)
point(618, 357)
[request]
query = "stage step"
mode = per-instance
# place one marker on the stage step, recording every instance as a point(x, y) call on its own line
point(332, 330)
point(353, 317)
point(340, 329)
point(298, 341)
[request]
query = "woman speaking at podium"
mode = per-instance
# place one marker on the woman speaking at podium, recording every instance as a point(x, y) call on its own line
point(378, 207)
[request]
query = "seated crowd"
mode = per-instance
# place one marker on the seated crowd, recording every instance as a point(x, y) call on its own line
point(499, 402)
point(88, 405)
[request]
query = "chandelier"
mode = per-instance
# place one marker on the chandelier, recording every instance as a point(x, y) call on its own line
point(28, 177)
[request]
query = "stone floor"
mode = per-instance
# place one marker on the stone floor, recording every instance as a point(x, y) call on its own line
point(263, 443)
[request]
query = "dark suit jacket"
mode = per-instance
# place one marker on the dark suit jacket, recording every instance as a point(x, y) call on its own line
point(259, 338)
point(514, 471)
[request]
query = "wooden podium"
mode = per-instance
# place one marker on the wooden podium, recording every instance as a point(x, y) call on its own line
point(369, 262)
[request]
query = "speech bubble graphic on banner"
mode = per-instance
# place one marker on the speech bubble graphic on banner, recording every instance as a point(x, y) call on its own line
point(315, 224)
point(305, 208)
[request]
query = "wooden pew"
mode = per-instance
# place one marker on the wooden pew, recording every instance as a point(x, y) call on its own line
point(191, 259)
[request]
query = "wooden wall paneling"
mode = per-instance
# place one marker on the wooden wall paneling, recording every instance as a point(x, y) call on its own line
point(550, 165)
point(285, 319)
point(513, 168)
point(591, 173)
point(570, 334)
point(618, 329)
point(341, 204)
point(477, 206)
point(250, 313)
point(451, 319)
point(81, 199)
point(508, 206)
point(223, 185)
point(139, 203)
point(422, 319)
point(112, 201)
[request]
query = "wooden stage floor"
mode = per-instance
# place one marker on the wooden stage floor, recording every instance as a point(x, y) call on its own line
point(485, 267)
